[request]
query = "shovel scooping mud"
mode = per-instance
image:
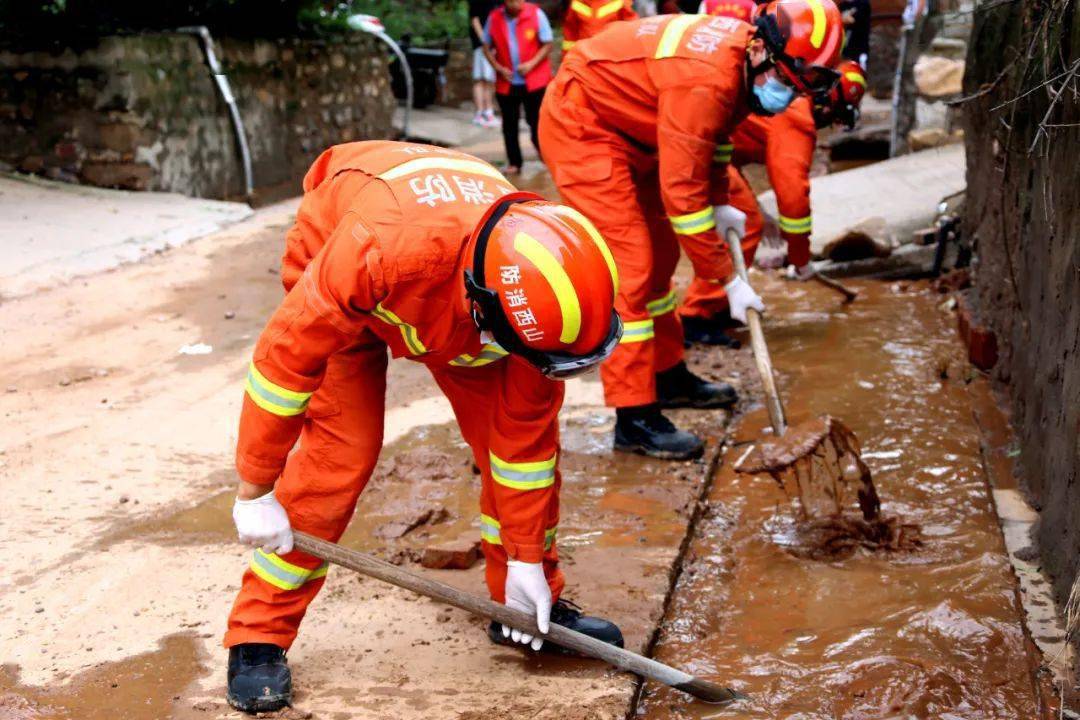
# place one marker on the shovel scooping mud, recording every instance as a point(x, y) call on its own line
point(584, 644)
point(819, 461)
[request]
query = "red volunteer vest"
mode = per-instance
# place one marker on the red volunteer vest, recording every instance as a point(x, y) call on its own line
point(528, 43)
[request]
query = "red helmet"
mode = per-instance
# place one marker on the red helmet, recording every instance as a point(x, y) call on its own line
point(543, 282)
point(840, 103)
point(804, 38)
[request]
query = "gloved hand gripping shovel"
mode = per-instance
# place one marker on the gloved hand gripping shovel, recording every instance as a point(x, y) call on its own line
point(820, 458)
point(591, 647)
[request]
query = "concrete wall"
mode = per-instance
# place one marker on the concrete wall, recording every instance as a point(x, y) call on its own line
point(1023, 211)
point(144, 113)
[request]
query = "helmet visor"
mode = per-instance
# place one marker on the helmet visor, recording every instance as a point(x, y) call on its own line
point(808, 80)
point(562, 367)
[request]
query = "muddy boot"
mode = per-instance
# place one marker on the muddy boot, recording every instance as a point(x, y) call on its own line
point(259, 679)
point(707, 332)
point(677, 387)
point(568, 614)
point(645, 430)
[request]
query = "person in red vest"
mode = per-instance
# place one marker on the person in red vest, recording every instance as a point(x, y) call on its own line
point(517, 42)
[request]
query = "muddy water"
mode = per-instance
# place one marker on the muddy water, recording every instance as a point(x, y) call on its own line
point(934, 633)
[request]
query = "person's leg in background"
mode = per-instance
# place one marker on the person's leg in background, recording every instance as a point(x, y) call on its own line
point(533, 101)
point(483, 76)
point(676, 386)
point(510, 107)
point(704, 309)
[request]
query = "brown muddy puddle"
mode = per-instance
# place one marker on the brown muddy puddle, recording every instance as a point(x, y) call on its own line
point(930, 633)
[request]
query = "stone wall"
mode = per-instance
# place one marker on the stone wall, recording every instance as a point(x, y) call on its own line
point(144, 113)
point(1022, 132)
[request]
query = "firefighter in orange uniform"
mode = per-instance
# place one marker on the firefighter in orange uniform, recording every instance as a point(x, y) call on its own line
point(585, 18)
point(630, 129)
point(785, 145)
point(433, 255)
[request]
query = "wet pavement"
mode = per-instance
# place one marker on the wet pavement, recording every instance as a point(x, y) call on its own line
point(934, 632)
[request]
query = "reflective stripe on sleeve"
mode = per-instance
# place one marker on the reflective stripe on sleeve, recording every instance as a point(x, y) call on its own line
point(608, 8)
point(723, 154)
point(581, 8)
point(796, 225)
point(490, 531)
point(637, 331)
point(489, 354)
point(272, 397)
point(669, 41)
point(523, 476)
point(408, 332)
point(662, 306)
point(693, 223)
point(282, 574)
point(567, 44)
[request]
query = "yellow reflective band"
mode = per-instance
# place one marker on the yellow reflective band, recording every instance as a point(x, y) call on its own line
point(637, 331)
point(817, 36)
point(581, 8)
point(559, 281)
point(662, 306)
point(609, 8)
point(282, 574)
point(669, 41)
point(441, 163)
point(272, 397)
point(855, 77)
point(567, 44)
point(549, 537)
point(408, 332)
point(597, 238)
point(488, 354)
point(693, 223)
point(523, 476)
point(723, 153)
point(796, 225)
point(490, 532)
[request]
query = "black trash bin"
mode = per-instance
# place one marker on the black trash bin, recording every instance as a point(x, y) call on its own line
point(427, 71)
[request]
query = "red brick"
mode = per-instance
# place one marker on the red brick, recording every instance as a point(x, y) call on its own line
point(460, 555)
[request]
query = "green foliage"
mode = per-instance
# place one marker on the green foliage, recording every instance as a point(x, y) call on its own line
point(38, 22)
point(426, 20)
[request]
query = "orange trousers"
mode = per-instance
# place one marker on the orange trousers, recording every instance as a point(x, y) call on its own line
point(704, 299)
point(615, 185)
point(323, 479)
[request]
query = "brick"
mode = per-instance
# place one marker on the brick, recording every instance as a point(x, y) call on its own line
point(460, 555)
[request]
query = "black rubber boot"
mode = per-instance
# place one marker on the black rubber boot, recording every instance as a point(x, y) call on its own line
point(568, 614)
point(677, 387)
point(259, 678)
point(645, 430)
point(707, 332)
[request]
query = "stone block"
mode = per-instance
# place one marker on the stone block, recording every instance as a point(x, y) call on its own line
point(460, 555)
point(123, 175)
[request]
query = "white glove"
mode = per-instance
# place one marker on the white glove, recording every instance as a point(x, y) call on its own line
point(741, 297)
point(262, 522)
point(527, 590)
point(800, 273)
point(729, 217)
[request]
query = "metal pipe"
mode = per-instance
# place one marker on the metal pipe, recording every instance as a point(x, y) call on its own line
point(373, 26)
point(225, 89)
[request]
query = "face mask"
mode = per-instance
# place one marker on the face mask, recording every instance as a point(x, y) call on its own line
point(773, 96)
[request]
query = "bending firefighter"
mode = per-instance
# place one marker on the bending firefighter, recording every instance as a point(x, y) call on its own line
point(432, 254)
point(630, 130)
point(784, 144)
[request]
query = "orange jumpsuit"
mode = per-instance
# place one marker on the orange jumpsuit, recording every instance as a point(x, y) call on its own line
point(630, 129)
point(785, 144)
point(585, 18)
point(374, 262)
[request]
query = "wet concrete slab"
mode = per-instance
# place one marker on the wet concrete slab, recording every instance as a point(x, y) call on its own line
point(936, 632)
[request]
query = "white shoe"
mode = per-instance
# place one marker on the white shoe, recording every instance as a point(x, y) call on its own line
point(479, 119)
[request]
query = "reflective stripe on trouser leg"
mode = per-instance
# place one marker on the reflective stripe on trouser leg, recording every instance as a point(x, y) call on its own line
point(320, 496)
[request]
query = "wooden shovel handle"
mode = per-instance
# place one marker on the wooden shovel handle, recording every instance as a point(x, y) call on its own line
point(584, 644)
point(757, 342)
